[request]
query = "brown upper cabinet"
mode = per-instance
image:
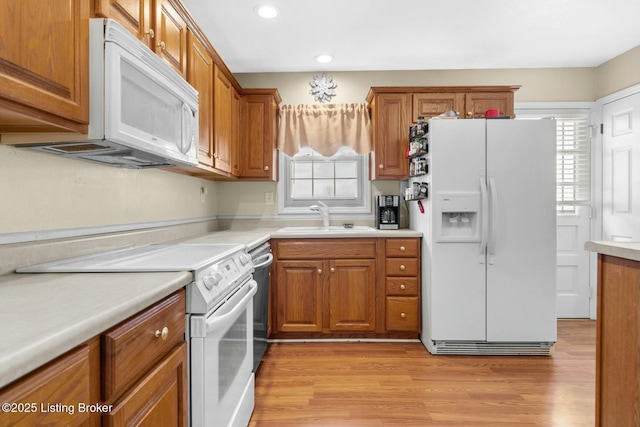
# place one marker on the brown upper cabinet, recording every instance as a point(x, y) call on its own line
point(395, 109)
point(200, 76)
point(258, 112)
point(157, 23)
point(135, 15)
point(170, 42)
point(44, 65)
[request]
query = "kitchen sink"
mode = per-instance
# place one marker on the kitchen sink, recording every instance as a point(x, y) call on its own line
point(329, 229)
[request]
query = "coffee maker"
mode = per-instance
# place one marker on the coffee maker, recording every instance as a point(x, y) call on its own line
point(388, 212)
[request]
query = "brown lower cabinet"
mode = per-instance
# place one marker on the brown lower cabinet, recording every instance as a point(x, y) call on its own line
point(618, 342)
point(132, 374)
point(345, 287)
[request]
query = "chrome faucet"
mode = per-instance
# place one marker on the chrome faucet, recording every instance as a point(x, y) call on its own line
point(323, 209)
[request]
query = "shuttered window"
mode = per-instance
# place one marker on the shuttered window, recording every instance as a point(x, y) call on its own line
point(574, 160)
point(573, 168)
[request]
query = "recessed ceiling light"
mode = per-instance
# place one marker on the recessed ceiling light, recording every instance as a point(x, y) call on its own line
point(324, 58)
point(267, 12)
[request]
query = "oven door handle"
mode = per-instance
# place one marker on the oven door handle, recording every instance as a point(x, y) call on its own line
point(263, 261)
point(217, 322)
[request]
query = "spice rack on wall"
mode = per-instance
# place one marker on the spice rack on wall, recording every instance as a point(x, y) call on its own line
point(418, 157)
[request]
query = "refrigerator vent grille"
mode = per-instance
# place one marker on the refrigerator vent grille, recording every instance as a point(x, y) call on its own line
point(492, 348)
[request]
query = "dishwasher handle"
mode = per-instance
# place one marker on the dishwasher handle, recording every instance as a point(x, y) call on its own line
point(263, 261)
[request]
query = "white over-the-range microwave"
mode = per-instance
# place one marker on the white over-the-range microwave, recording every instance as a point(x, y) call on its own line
point(142, 112)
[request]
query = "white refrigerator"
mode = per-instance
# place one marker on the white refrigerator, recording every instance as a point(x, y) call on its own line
point(489, 245)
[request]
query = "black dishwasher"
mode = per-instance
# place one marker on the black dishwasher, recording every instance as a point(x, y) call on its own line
point(262, 259)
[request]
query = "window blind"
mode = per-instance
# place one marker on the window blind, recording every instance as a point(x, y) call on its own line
point(573, 139)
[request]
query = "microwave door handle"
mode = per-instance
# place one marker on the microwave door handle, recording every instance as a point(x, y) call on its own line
point(187, 129)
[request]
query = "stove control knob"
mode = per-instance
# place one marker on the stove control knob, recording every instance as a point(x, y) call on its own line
point(212, 279)
point(245, 259)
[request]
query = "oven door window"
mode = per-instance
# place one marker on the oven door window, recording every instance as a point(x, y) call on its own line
point(232, 352)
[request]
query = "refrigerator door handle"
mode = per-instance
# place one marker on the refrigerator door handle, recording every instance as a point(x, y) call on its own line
point(493, 194)
point(485, 220)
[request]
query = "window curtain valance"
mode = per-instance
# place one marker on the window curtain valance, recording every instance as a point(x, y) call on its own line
point(324, 128)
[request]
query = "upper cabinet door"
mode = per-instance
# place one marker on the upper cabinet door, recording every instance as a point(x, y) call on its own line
point(430, 105)
point(223, 121)
point(200, 76)
point(476, 104)
point(44, 65)
point(258, 140)
point(391, 135)
point(134, 15)
point(171, 36)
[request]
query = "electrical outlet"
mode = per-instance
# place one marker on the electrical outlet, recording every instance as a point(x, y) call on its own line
point(268, 198)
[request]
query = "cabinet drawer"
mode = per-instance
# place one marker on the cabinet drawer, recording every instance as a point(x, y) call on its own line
point(402, 314)
point(326, 249)
point(402, 286)
point(130, 349)
point(401, 247)
point(402, 267)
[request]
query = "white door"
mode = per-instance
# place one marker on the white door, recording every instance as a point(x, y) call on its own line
point(572, 275)
point(621, 169)
point(521, 269)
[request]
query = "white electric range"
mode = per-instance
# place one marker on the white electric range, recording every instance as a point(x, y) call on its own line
point(219, 319)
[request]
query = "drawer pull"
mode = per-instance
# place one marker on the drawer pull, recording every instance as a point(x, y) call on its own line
point(163, 334)
point(402, 267)
point(402, 249)
point(403, 287)
point(403, 315)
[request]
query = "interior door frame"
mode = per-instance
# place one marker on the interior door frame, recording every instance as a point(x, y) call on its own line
point(597, 180)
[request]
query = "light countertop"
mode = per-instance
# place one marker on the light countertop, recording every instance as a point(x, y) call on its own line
point(45, 315)
point(42, 316)
point(627, 250)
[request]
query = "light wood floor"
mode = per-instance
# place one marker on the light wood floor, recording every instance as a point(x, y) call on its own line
point(401, 384)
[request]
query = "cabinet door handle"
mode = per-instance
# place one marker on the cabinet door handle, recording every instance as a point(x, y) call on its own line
point(469, 113)
point(150, 33)
point(162, 334)
point(162, 45)
point(403, 315)
point(402, 267)
point(266, 168)
point(380, 166)
point(319, 271)
point(333, 270)
point(403, 287)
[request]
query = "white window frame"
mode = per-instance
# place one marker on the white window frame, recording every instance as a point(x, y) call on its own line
point(286, 205)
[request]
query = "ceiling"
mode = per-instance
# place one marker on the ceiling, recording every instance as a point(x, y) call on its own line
point(364, 35)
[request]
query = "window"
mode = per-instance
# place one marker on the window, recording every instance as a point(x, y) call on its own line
point(573, 170)
point(340, 181)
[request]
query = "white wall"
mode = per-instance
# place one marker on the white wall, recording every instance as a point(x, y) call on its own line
point(44, 192)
